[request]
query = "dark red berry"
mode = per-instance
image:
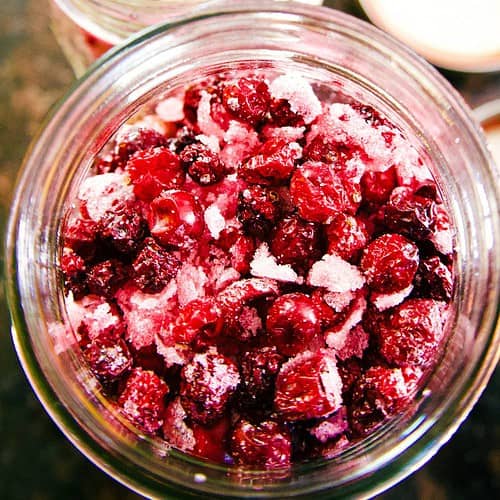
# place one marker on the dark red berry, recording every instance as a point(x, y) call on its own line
point(282, 115)
point(293, 324)
point(202, 164)
point(143, 399)
point(258, 210)
point(319, 192)
point(265, 445)
point(272, 164)
point(370, 114)
point(247, 98)
point(308, 386)
point(211, 441)
point(175, 218)
point(347, 236)
point(434, 280)
point(74, 271)
point(184, 137)
point(241, 253)
point(376, 186)
point(389, 263)
point(154, 170)
point(137, 139)
point(80, 235)
point(154, 267)
point(108, 358)
point(124, 229)
point(323, 149)
point(104, 278)
point(196, 317)
point(208, 382)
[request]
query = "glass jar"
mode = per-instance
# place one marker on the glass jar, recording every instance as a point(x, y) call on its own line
point(325, 46)
point(86, 30)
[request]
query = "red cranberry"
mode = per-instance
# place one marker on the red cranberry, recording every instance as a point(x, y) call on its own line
point(207, 384)
point(272, 164)
point(202, 164)
point(293, 324)
point(241, 253)
point(74, 271)
point(308, 386)
point(413, 333)
point(389, 263)
point(108, 358)
point(143, 399)
point(266, 445)
point(323, 149)
point(376, 187)
point(196, 316)
point(346, 235)
point(192, 98)
point(258, 210)
point(320, 193)
point(104, 278)
point(175, 218)
point(154, 170)
point(137, 139)
point(247, 98)
point(296, 242)
point(349, 370)
point(211, 441)
point(434, 280)
point(282, 114)
point(154, 267)
point(81, 236)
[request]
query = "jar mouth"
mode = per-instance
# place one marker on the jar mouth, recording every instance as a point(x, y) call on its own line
point(371, 470)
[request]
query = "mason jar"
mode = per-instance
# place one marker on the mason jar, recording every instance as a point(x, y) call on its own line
point(327, 48)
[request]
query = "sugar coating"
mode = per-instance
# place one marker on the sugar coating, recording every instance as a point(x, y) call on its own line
point(335, 274)
point(214, 220)
point(170, 109)
point(289, 133)
point(205, 121)
point(331, 381)
point(383, 301)
point(357, 309)
point(175, 429)
point(331, 427)
point(191, 281)
point(240, 141)
point(264, 265)
point(348, 343)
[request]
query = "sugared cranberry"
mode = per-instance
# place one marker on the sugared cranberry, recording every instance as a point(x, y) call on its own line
point(319, 192)
point(143, 399)
point(196, 316)
point(154, 266)
point(258, 210)
point(346, 235)
point(211, 441)
point(192, 97)
point(266, 445)
point(175, 218)
point(136, 139)
point(247, 98)
point(308, 386)
point(370, 114)
point(293, 324)
point(434, 280)
point(203, 165)
point(124, 229)
point(328, 151)
point(389, 263)
point(80, 235)
point(154, 170)
point(108, 358)
point(282, 115)
point(273, 163)
point(74, 271)
point(413, 333)
point(104, 278)
point(208, 382)
point(296, 242)
point(376, 186)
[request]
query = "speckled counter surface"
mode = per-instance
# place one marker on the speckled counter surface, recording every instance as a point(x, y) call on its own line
point(36, 460)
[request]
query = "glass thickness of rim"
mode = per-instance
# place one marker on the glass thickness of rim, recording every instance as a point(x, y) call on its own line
point(325, 46)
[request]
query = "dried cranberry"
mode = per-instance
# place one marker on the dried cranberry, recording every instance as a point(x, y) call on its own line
point(104, 278)
point(282, 114)
point(202, 164)
point(319, 192)
point(108, 358)
point(308, 386)
point(241, 253)
point(196, 316)
point(376, 186)
point(293, 324)
point(192, 98)
point(296, 242)
point(154, 266)
point(266, 445)
point(175, 218)
point(211, 441)
point(247, 98)
point(143, 399)
point(369, 114)
point(434, 280)
point(124, 229)
point(184, 137)
point(272, 164)
point(208, 382)
point(346, 235)
point(137, 139)
point(258, 210)
point(74, 272)
point(323, 149)
point(412, 336)
point(153, 170)
point(389, 263)
point(349, 370)
point(80, 235)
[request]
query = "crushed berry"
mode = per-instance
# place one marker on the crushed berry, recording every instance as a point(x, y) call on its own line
point(268, 280)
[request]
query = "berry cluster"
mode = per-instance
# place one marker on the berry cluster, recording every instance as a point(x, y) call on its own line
point(256, 276)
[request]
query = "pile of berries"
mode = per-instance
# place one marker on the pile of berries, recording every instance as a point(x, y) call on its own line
point(256, 276)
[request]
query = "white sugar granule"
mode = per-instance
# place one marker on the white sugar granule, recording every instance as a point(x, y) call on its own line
point(214, 220)
point(264, 265)
point(191, 281)
point(170, 109)
point(383, 301)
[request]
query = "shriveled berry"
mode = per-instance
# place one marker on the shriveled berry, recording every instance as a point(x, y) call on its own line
point(319, 192)
point(376, 186)
point(104, 278)
point(202, 164)
point(282, 115)
point(124, 229)
point(308, 386)
point(108, 358)
point(346, 235)
point(208, 382)
point(74, 271)
point(154, 170)
point(272, 164)
point(323, 149)
point(136, 139)
point(258, 210)
point(413, 334)
point(247, 98)
point(293, 324)
point(211, 441)
point(143, 399)
point(175, 218)
point(434, 280)
point(264, 445)
point(184, 137)
point(389, 263)
point(154, 266)
point(80, 234)
point(370, 114)
point(296, 242)
point(196, 317)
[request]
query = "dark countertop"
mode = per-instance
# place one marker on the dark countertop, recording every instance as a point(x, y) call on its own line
point(36, 461)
